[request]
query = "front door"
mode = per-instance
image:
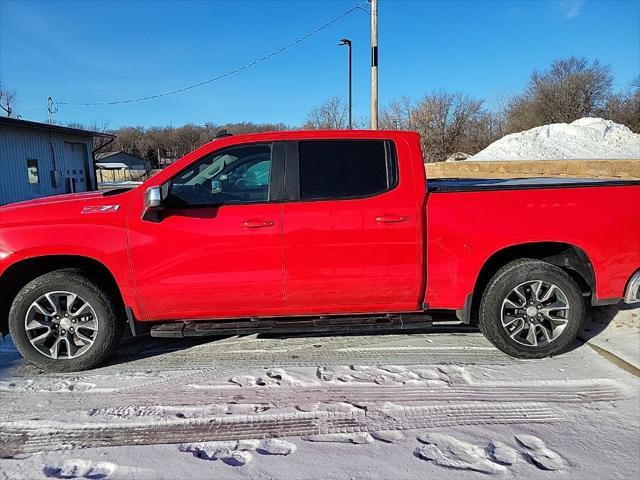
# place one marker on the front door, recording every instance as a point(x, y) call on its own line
point(215, 250)
point(352, 233)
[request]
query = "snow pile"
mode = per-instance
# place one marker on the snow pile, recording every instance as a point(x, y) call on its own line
point(586, 138)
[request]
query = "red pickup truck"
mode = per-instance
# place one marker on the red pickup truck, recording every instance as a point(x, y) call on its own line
point(325, 230)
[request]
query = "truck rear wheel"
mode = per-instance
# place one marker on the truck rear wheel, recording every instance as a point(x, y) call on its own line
point(62, 321)
point(531, 309)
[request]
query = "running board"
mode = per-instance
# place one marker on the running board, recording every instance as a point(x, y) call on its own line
point(291, 325)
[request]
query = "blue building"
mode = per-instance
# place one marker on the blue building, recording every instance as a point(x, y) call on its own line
point(118, 160)
point(39, 160)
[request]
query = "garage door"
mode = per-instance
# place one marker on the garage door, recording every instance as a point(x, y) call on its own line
point(75, 167)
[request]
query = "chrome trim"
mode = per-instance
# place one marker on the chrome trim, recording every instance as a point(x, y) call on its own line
point(153, 198)
point(632, 292)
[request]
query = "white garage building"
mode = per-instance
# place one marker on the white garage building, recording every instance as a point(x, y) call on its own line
point(39, 159)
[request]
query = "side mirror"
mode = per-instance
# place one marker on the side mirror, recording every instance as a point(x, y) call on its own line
point(153, 201)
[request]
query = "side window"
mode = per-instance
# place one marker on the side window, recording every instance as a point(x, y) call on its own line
point(234, 175)
point(345, 168)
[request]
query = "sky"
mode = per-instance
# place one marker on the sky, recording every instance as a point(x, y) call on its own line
point(85, 52)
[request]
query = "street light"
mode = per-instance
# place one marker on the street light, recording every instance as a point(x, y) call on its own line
point(347, 42)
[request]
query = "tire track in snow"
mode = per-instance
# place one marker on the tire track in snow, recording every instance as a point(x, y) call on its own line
point(416, 349)
point(33, 436)
point(288, 359)
point(178, 379)
point(182, 366)
point(232, 344)
point(556, 391)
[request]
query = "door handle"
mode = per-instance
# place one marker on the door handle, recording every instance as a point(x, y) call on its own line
point(258, 223)
point(392, 219)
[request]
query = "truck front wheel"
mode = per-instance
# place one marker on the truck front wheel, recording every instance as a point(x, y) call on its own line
point(63, 321)
point(531, 309)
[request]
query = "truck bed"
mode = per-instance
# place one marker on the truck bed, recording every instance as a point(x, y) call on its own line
point(468, 222)
point(444, 185)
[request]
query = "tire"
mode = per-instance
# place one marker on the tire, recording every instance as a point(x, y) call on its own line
point(88, 347)
point(500, 300)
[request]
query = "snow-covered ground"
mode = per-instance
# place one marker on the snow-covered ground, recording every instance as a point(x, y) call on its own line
point(586, 138)
point(394, 406)
point(616, 332)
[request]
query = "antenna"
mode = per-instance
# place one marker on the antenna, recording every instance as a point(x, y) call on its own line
point(52, 107)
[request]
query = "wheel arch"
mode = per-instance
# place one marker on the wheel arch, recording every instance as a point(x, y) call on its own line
point(22, 272)
point(570, 258)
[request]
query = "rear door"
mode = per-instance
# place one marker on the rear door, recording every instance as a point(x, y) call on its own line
point(351, 228)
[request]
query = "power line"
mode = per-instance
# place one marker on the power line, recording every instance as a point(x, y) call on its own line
point(224, 75)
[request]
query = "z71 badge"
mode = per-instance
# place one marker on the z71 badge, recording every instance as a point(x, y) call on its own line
point(100, 209)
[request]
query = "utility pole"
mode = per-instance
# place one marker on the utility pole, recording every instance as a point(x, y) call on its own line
point(347, 42)
point(374, 64)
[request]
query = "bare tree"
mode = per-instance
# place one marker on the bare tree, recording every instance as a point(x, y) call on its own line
point(447, 118)
point(331, 115)
point(151, 156)
point(397, 115)
point(570, 89)
point(127, 138)
point(7, 101)
point(249, 127)
point(186, 139)
point(444, 121)
point(482, 131)
point(624, 107)
point(170, 143)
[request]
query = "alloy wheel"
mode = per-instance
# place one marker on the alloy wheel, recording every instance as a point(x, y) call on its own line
point(535, 313)
point(61, 325)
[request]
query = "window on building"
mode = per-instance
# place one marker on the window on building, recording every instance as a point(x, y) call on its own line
point(33, 174)
point(345, 169)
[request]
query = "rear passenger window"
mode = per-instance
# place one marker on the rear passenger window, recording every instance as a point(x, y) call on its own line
point(345, 168)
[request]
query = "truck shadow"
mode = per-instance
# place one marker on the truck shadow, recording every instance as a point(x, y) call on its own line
point(138, 348)
point(598, 319)
point(144, 347)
